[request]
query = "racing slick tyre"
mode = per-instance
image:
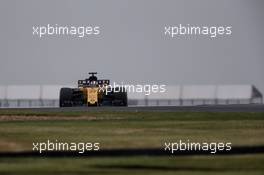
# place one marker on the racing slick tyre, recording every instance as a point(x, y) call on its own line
point(66, 95)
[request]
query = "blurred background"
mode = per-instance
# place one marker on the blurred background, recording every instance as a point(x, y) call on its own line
point(131, 47)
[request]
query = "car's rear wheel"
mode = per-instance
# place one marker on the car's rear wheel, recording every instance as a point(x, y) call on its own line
point(120, 98)
point(66, 95)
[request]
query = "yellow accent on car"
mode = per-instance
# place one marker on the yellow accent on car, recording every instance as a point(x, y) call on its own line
point(92, 95)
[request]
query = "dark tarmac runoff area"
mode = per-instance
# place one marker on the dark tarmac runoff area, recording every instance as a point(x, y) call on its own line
point(201, 108)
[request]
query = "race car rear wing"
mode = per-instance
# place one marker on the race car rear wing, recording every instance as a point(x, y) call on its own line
point(87, 83)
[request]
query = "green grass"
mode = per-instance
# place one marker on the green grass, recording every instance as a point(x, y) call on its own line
point(136, 130)
point(133, 130)
point(247, 164)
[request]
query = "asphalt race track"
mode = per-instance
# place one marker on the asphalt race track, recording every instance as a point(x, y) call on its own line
point(202, 108)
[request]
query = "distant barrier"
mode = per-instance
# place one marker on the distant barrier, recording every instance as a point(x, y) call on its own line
point(24, 96)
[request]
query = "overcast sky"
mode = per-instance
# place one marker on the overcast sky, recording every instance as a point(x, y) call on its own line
point(131, 46)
